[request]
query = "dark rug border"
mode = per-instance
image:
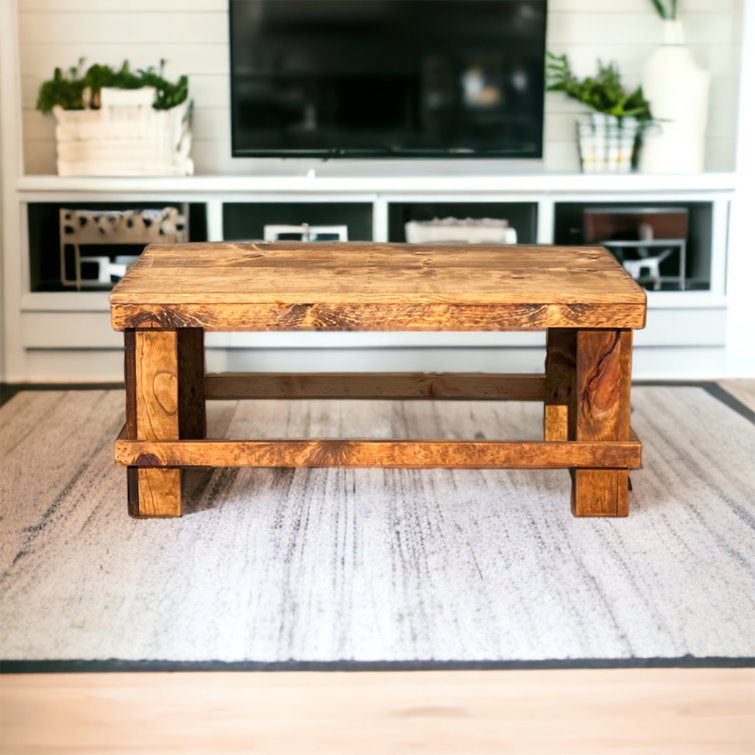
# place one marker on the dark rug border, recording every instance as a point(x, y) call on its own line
point(9, 390)
point(715, 390)
point(114, 665)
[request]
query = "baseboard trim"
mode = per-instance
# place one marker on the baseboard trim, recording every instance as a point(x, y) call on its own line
point(115, 665)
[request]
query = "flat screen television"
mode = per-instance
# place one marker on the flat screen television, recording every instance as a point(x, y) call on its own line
point(387, 78)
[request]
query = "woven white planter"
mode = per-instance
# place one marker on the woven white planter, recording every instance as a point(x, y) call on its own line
point(125, 137)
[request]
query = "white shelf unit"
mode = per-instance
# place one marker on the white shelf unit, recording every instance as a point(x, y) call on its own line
point(66, 336)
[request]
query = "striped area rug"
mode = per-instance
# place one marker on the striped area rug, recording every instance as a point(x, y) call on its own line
point(318, 566)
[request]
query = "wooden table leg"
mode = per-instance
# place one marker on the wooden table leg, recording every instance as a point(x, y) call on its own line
point(164, 401)
point(192, 417)
point(603, 375)
point(560, 394)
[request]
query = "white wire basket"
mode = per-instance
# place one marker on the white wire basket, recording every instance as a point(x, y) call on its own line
point(606, 143)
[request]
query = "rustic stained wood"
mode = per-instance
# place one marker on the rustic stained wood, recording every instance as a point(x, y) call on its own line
point(159, 490)
point(192, 416)
point(560, 393)
point(374, 385)
point(164, 400)
point(580, 295)
point(409, 454)
point(372, 286)
point(129, 371)
point(602, 413)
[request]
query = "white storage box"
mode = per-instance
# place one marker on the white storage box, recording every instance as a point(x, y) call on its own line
point(125, 137)
point(460, 231)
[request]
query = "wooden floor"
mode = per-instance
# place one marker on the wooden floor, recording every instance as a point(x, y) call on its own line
point(686, 711)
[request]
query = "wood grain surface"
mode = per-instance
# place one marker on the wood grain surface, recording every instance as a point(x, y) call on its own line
point(192, 415)
point(582, 711)
point(372, 286)
point(413, 454)
point(366, 385)
point(129, 373)
point(603, 377)
point(156, 392)
point(560, 392)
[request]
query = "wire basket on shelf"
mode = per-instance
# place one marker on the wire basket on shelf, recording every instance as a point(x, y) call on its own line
point(606, 143)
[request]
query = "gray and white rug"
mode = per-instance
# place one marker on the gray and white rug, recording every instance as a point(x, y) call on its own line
point(375, 565)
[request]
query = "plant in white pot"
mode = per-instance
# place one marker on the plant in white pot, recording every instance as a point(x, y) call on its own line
point(678, 89)
point(607, 137)
point(119, 122)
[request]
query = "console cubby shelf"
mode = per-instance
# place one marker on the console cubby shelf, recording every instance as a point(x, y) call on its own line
point(376, 206)
point(52, 328)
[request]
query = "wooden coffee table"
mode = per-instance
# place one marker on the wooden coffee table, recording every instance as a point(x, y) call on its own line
point(580, 295)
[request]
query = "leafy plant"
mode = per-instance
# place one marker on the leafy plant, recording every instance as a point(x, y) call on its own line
point(663, 11)
point(68, 93)
point(603, 93)
point(71, 93)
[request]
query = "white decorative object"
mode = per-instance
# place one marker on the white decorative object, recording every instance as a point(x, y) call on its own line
point(109, 227)
point(125, 137)
point(307, 232)
point(453, 230)
point(677, 89)
point(606, 143)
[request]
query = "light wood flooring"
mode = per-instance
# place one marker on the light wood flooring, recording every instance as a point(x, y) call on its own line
point(686, 711)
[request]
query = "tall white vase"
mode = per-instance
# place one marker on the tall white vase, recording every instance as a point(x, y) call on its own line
point(677, 89)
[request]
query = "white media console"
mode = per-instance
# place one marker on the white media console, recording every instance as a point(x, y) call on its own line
point(65, 335)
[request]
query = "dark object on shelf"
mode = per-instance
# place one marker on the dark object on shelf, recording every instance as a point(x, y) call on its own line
point(382, 78)
point(643, 239)
point(113, 227)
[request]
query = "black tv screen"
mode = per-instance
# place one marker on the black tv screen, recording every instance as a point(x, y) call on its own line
point(379, 78)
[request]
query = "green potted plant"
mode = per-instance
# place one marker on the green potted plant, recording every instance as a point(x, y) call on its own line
point(119, 121)
point(608, 137)
point(666, 10)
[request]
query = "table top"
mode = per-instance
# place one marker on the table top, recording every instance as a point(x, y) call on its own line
point(376, 286)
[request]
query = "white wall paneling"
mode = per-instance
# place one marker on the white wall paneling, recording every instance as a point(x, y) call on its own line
point(11, 136)
point(688, 363)
point(86, 366)
point(214, 220)
point(377, 360)
point(193, 38)
point(380, 219)
point(741, 267)
point(545, 220)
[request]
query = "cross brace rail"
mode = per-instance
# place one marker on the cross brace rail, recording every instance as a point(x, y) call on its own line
point(407, 454)
point(376, 385)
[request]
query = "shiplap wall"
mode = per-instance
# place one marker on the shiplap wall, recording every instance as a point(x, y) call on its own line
point(192, 35)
